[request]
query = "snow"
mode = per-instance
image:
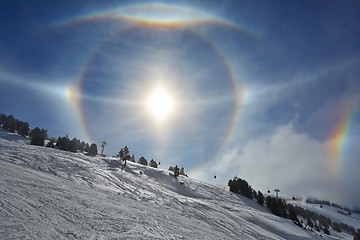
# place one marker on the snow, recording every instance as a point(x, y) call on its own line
point(331, 212)
point(51, 194)
point(12, 137)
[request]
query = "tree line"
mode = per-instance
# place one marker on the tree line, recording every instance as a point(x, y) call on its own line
point(324, 202)
point(39, 135)
point(279, 207)
point(11, 124)
point(124, 155)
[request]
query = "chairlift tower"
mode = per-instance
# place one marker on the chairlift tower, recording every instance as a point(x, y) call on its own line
point(277, 192)
point(103, 146)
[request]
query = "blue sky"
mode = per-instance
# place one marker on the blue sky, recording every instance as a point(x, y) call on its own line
point(258, 88)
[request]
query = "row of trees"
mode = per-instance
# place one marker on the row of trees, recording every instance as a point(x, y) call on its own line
point(279, 207)
point(152, 163)
point(177, 171)
point(13, 125)
point(38, 136)
point(240, 186)
point(73, 145)
point(124, 155)
point(319, 221)
point(324, 202)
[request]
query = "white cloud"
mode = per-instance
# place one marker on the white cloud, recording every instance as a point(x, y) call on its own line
point(293, 162)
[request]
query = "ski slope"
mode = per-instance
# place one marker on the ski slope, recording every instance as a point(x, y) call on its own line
point(51, 194)
point(331, 212)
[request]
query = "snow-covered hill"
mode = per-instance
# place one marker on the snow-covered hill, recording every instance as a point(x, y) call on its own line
point(51, 194)
point(331, 212)
point(13, 137)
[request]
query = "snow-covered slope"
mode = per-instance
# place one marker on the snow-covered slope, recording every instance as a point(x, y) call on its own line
point(51, 194)
point(333, 213)
point(12, 136)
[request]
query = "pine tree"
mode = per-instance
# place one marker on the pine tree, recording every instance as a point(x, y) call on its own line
point(292, 213)
point(260, 198)
point(63, 143)
point(143, 161)
point(87, 147)
point(326, 230)
point(337, 227)
point(73, 145)
point(121, 154)
point(3, 119)
point(309, 222)
point(234, 187)
point(153, 164)
point(24, 129)
point(254, 194)
point(58, 141)
point(357, 235)
point(10, 124)
point(126, 154)
point(93, 151)
point(82, 146)
point(38, 136)
point(176, 171)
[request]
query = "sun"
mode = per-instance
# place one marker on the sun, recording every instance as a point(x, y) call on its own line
point(160, 104)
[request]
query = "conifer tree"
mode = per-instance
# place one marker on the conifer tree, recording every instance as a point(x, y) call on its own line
point(38, 136)
point(82, 146)
point(93, 151)
point(87, 147)
point(23, 128)
point(260, 198)
point(292, 213)
point(326, 231)
point(176, 171)
point(126, 154)
point(143, 161)
point(121, 154)
point(357, 235)
point(3, 119)
point(73, 145)
point(153, 164)
point(63, 143)
point(10, 124)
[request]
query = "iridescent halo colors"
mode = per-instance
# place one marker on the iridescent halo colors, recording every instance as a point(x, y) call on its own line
point(160, 16)
point(341, 132)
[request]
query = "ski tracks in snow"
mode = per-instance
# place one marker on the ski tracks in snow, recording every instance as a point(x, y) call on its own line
point(50, 194)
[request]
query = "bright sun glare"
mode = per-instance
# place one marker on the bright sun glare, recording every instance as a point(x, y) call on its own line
point(160, 104)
